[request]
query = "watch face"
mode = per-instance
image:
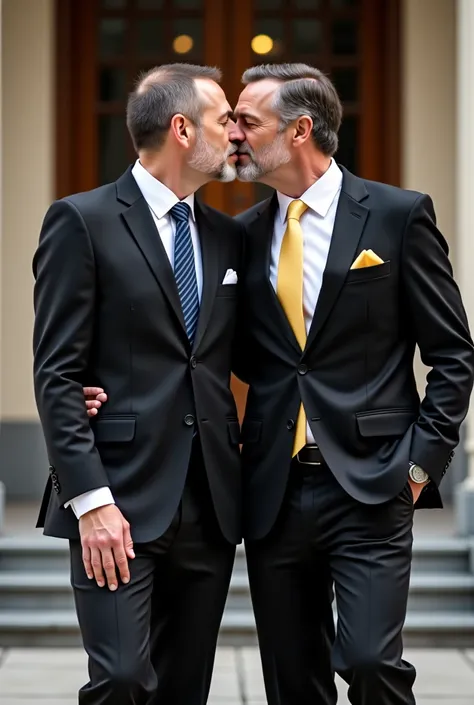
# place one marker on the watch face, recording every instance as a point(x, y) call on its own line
point(418, 474)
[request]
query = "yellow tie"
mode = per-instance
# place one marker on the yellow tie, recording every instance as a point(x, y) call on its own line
point(290, 293)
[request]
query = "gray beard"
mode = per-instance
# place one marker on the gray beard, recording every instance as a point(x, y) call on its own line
point(264, 161)
point(207, 160)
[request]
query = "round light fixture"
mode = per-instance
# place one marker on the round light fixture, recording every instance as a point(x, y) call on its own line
point(183, 44)
point(262, 44)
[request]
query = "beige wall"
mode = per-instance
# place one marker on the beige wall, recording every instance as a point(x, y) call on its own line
point(428, 103)
point(28, 173)
point(428, 111)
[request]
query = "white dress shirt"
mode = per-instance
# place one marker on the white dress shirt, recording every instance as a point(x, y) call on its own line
point(317, 223)
point(160, 200)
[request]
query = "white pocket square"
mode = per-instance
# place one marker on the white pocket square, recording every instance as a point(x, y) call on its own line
point(230, 277)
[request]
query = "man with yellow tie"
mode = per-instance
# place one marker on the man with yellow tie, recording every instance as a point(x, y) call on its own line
point(343, 277)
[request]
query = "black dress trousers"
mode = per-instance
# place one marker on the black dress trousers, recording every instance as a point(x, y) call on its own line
point(153, 641)
point(324, 538)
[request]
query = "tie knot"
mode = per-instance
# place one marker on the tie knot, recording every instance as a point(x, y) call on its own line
point(296, 210)
point(180, 212)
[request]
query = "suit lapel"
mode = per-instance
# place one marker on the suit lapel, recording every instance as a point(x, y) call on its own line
point(210, 264)
point(350, 221)
point(143, 230)
point(260, 231)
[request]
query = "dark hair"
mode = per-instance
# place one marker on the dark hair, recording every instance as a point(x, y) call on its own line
point(161, 93)
point(304, 91)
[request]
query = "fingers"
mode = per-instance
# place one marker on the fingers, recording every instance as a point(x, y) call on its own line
point(128, 541)
point(93, 405)
point(96, 561)
point(106, 546)
point(92, 391)
point(108, 562)
point(86, 559)
point(121, 562)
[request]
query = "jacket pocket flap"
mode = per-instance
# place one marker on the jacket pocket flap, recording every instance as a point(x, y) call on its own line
point(114, 429)
point(385, 422)
point(234, 432)
point(251, 431)
point(377, 271)
point(227, 290)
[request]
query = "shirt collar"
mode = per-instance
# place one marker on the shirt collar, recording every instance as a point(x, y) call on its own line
point(319, 196)
point(158, 196)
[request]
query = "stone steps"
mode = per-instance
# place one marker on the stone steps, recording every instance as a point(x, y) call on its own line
point(37, 607)
point(429, 592)
point(58, 628)
point(42, 553)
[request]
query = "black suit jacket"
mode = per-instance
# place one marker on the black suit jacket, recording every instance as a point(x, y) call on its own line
point(355, 375)
point(108, 313)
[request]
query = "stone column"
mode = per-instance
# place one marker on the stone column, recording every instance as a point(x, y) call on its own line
point(2, 487)
point(464, 499)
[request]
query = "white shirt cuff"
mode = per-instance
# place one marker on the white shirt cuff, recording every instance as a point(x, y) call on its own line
point(90, 500)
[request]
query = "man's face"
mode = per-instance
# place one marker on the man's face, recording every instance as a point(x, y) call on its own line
point(213, 153)
point(263, 146)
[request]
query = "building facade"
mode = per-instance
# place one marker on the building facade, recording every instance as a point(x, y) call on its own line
point(405, 72)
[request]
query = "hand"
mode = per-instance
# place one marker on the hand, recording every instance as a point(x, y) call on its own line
point(95, 397)
point(416, 489)
point(106, 545)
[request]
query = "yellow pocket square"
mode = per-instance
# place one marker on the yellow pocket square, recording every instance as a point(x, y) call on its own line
point(367, 258)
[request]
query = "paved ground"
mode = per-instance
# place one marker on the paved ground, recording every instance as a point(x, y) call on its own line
point(52, 677)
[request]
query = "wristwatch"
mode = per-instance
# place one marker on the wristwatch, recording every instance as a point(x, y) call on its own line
point(417, 474)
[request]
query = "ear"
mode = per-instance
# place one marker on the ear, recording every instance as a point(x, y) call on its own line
point(302, 130)
point(182, 130)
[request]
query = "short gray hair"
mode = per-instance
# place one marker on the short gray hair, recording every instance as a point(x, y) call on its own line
point(304, 91)
point(161, 93)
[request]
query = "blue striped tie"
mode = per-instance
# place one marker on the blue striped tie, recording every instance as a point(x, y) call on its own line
point(185, 269)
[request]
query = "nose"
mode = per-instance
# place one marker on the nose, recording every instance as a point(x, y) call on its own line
point(236, 134)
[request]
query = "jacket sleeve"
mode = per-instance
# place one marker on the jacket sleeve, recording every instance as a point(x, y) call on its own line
point(64, 303)
point(438, 322)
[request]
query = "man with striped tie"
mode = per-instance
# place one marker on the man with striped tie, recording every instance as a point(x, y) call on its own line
point(136, 291)
point(348, 276)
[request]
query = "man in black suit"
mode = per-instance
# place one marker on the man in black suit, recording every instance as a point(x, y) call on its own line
point(342, 278)
point(136, 290)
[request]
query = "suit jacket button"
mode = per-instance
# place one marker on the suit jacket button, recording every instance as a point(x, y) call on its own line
point(193, 362)
point(189, 420)
point(302, 369)
point(290, 424)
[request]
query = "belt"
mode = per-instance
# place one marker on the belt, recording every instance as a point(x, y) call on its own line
point(310, 455)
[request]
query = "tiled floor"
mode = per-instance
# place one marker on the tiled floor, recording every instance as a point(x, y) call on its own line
point(52, 677)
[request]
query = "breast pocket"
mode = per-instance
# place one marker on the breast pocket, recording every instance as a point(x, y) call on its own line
point(227, 290)
point(368, 274)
